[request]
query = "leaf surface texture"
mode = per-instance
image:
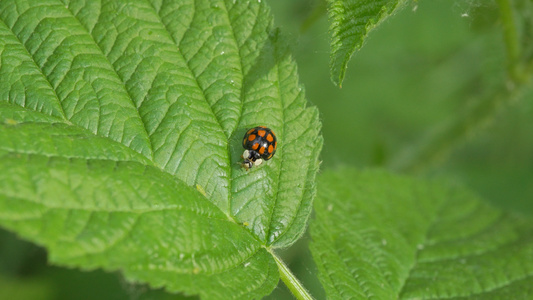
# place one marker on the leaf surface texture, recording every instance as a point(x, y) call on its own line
point(384, 236)
point(122, 124)
point(350, 23)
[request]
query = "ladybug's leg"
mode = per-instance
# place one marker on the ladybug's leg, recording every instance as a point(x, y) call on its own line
point(247, 164)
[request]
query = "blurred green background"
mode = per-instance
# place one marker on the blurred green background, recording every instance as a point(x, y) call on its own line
point(417, 73)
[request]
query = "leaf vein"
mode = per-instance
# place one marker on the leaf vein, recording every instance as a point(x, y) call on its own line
point(187, 63)
point(130, 96)
point(40, 71)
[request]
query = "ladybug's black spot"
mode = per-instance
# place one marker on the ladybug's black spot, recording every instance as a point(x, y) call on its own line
point(261, 138)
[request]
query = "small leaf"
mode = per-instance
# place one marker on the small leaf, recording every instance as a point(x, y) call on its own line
point(351, 22)
point(383, 236)
point(152, 98)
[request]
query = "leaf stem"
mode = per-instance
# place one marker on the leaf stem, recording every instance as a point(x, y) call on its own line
point(290, 280)
point(510, 35)
point(318, 12)
point(441, 141)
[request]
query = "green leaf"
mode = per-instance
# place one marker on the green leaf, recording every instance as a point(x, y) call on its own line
point(384, 236)
point(121, 128)
point(351, 22)
point(118, 214)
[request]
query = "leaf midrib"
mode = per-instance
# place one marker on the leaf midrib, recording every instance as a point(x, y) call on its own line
point(230, 172)
point(434, 220)
point(130, 97)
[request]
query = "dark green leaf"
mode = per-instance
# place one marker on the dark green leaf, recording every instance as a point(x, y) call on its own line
point(382, 236)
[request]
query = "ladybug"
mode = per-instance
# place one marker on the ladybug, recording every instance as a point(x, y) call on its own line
point(260, 143)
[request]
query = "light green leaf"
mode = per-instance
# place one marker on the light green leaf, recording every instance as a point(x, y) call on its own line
point(106, 211)
point(148, 101)
point(383, 236)
point(351, 22)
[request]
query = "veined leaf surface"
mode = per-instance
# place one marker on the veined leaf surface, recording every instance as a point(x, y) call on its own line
point(350, 23)
point(121, 136)
point(384, 236)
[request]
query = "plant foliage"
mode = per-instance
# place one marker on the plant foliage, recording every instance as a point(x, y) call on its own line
point(350, 23)
point(385, 236)
point(121, 127)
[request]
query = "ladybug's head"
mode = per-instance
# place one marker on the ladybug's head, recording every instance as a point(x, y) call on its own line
point(251, 158)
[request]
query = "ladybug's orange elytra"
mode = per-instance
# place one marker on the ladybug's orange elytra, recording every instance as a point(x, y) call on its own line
point(260, 143)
